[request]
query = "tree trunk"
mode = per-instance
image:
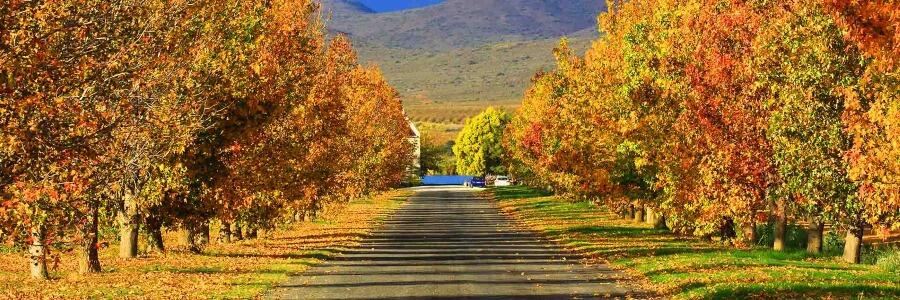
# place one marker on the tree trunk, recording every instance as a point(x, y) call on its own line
point(37, 255)
point(631, 212)
point(853, 245)
point(639, 213)
point(189, 239)
point(814, 233)
point(251, 232)
point(155, 241)
point(225, 232)
point(203, 238)
point(236, 232)
point(89, 261)
point(749, 234)
point(780, 228)
point(726, 231)
point(660, 221)
point(128, 228)
point(650, 216)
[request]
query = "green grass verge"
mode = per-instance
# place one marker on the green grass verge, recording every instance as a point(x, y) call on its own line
point(688, 268)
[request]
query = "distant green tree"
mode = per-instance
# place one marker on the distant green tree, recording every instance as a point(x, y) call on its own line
point(437, 158)
point(478, 147)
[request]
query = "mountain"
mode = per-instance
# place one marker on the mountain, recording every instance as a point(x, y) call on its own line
point(344, 8)
point(397, 5)
point(453, 58)
point(461, 23)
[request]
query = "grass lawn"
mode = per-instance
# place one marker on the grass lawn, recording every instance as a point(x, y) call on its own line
point(244, 269)
point(686, 267)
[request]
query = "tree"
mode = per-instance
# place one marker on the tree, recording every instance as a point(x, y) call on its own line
point(645, 100)
point(556, 140)
point(71, 71)
point(718, 114)
point(726, 110)
point(172, 113)
point(436, 158)
point(382, 153)
point(478, 146)
point(806, 61)
point(871, 117)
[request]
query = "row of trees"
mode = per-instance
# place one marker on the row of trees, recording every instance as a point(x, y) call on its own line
point(165, 113)
point(715, 115)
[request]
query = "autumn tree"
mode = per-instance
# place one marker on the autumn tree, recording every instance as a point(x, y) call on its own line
point(553, 137)
point(809, 67)
point(383, 153)
point(528, 136)
point(716, 112)
point(72, 74)
point(640, 59)
point(871, 117)
point(172, 113)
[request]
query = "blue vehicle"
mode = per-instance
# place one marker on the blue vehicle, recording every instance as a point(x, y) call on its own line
point(476, 182)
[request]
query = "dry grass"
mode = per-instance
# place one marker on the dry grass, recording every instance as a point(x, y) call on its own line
point(438, 134)
point(448, 86)
point(449, 112)
point(244, 269)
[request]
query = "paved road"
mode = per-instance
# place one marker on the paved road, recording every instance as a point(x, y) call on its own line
point(448, 243)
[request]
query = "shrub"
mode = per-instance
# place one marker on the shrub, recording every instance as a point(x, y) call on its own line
point(889, 260)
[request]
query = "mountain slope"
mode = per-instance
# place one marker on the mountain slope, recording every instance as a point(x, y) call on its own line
point(344, 8)
point(461, 23)
point(452, 59)
point(397, 5)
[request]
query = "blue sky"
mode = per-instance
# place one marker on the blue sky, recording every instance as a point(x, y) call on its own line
point(394, 5)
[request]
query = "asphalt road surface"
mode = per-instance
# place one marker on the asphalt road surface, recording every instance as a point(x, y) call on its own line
point(447, 243)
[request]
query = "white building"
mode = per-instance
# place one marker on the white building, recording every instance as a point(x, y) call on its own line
point(416, 139)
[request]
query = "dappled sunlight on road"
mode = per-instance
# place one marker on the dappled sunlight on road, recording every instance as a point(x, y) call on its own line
point(449, 242)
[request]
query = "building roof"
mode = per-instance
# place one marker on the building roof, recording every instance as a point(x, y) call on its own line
point(413, 130)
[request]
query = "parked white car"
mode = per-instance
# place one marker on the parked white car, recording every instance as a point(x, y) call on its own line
point(502, 181)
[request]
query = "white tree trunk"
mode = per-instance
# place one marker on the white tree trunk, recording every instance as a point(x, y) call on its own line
point(37, 254)
point(853, 245)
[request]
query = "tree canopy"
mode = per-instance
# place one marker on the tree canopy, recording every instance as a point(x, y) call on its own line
point(179, 113)
point(718, 115)
point(478, 146)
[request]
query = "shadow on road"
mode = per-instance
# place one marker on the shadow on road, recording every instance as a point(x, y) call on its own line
point(448, 243)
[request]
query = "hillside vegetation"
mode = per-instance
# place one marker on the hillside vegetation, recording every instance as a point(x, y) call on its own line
point(448, 86)
point(451, 60)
